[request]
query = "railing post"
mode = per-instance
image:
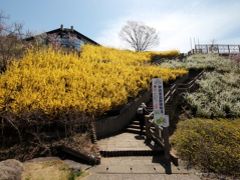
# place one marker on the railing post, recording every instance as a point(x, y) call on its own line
point(147, 128)
point(156, 132)
point(167, 150)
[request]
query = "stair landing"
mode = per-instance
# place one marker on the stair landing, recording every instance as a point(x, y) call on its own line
point(123, 142)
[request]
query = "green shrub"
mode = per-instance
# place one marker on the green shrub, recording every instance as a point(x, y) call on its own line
point(213, 145)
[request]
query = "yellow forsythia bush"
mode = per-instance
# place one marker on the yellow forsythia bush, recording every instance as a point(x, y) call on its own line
point(103, 54)
point(164, 54)
point(94, 82)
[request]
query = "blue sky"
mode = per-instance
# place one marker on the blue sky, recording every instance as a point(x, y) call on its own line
point(176, 20)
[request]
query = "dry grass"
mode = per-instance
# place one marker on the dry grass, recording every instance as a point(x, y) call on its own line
point(46, 170)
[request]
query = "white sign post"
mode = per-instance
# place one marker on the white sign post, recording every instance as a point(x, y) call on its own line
point(160, 118)
point(158, 103)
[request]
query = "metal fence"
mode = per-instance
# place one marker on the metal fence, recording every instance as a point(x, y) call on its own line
point(216, 49)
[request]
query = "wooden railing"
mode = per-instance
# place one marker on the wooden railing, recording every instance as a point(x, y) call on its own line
point(158, 134)
point(176, 89)
point(153, 131)
point(171, 92)
point(186, 87)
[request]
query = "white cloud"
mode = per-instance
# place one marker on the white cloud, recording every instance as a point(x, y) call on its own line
point(203, 22)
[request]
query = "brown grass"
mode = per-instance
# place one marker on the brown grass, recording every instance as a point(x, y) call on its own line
point(46, 170)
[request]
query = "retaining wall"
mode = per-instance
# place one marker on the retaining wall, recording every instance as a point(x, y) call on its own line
point(114, 124)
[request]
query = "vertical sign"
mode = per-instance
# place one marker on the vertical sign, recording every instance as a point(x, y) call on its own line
point(158, 103)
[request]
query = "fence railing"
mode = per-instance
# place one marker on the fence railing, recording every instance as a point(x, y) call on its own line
point(216, 49)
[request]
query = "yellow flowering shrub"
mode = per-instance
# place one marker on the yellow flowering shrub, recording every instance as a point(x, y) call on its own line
point(99, 79)
point(164, 54)
point(103, 54)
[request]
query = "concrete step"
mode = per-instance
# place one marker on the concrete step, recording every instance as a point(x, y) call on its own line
point(134, 126)
point(135, 122)
point(132, 153)
point(140, 171)
point(134, 131)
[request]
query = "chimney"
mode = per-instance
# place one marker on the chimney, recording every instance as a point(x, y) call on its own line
point(61, 27)
point(71, 28)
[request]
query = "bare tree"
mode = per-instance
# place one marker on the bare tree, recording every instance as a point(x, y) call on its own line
point(213, 41)
point(139, 36)
point(212, 48)
point(11, 41)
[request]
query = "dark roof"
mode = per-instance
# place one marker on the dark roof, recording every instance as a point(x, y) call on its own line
point(66, 30)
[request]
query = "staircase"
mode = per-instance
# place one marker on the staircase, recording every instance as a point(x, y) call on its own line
point(172, 94)
point(153, 147)
point(127, 144)
point(134, 128)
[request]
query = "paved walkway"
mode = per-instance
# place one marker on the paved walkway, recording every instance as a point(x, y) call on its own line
point(137, 168)
point(133, 167)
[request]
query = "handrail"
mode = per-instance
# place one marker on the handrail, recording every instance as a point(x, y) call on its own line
point(193, 80)
point(153, 131)
point(168, 96)
point(170, 93)
point(160, 134)
point(181, 87)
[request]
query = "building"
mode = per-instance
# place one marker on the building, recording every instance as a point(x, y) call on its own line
point(64, 37)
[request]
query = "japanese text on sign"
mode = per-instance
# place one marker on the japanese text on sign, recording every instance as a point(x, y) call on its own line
point(158, 103)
